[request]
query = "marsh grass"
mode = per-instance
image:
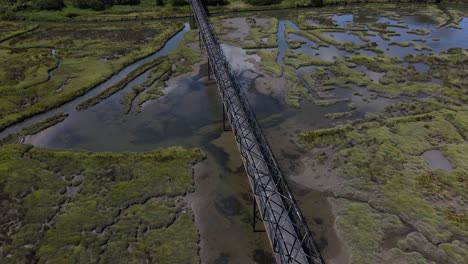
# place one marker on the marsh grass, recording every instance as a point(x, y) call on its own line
point(295, 90)
point(269, 62)
point(339, 115)
point(118, 86)
point(264, 36)
point(397, 80)
point(416, 46)
point(33, 129)
point(180, 61)
point(128, 98)
point(9, 30)
point(298, 60)
point(383, 157)
point(419, 31)
point(154, 92)
point(97, 204)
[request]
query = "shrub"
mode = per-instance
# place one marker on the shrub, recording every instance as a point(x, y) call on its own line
point(93, 4)
point(48, 4)
point(127, 2)
point(207, 2)
point(7, 14)
point(215, 2)
point(179, 2)
point(103, 4)
point(9, 7)
point(262, 2)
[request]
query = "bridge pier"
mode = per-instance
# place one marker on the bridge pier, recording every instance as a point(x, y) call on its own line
point(209, 70)
point(200, 40)
point(201, 44)
point(256, 216)
point(193, 23)
point(225, 118)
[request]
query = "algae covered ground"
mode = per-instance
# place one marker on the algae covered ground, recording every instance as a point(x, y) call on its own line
point(66, 206)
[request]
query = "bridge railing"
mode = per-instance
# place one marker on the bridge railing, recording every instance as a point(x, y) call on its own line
point(267, 179)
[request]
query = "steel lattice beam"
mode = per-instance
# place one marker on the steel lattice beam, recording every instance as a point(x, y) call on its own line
point(284, 223)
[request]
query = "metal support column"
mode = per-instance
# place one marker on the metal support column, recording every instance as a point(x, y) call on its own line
point(225, 127)
point(255, 217)
point(200, 40)
point(209, 71)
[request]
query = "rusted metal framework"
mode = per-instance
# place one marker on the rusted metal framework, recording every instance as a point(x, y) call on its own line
point(288, 233)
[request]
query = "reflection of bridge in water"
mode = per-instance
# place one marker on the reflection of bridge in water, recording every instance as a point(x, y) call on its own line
point(288, 233)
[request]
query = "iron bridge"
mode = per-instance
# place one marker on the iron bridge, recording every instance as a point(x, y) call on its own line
point(287, 231)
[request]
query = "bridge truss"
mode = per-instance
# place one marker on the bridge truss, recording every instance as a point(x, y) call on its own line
point(287, 231)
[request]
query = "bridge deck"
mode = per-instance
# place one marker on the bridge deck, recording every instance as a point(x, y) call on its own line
point(286, 229)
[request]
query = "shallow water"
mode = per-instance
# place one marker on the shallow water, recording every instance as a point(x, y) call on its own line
point(190, 115)
point(437, 160)
point(59, 63)
point(282, 45)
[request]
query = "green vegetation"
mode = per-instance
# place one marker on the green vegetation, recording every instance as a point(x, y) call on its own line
point(89, 53)
point(119, 85)
point(66, 206)
point(269, 62)
point(338, 115)
point(448, 66)
point(90, 10)
point(364, 228)
point(9, 30)
point(313, 79)
point(162, 69)
point(33, 129)
point(102, 4)
point(77, 206)
point(263, 34)
point(416, 46)
point(262, 2)
point(294, 90)
point(384, 157)
point(153, 93)
point(128, 98)
point(295, 44)
point(397, 80)
point(330, 101)
point(298, 60)
point(184, 57)
point(178, 62)
point(387, 187)
point(48, 4)
point(419, 31)
point(289, 30)
point(385, 75)
point(315, 34)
